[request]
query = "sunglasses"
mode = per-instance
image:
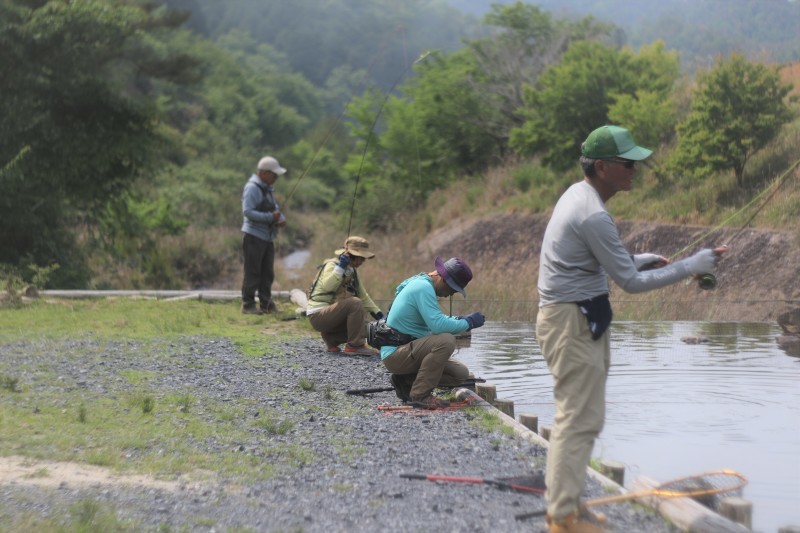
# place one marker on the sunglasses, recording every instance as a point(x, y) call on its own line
point(627, 163)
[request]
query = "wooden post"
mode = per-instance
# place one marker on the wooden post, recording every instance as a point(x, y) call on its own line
point(529, 421)
point(506, 406)
point(545, 433)
point(486, 391)
point(613, 470)
point(737, 509)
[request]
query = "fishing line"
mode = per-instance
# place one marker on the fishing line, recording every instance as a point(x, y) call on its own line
point(777, 183)
point(15, 160)
point(335, 124)
point(331, 130)
point(414, 131)
point(708, 281)
point(372, 130)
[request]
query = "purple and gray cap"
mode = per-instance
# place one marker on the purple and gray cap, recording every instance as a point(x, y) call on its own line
point(455, 272)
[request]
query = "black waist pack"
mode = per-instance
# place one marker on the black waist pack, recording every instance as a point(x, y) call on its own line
point(380, 334)
point(598, 312)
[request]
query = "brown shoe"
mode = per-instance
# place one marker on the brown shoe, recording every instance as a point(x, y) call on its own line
point(572, 524)
point(429, 402)
point(251, 310)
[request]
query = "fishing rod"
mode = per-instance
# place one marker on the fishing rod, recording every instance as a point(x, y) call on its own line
point(15, 160)
point(421, 58)
point(708, 281)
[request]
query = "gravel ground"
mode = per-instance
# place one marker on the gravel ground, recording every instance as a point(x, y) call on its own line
point(350, 480)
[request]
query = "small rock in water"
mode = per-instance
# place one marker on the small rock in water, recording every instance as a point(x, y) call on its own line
point(694, 340)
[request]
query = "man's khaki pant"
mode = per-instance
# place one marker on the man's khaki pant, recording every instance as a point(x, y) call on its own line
point(428, 358)
point(579, 367)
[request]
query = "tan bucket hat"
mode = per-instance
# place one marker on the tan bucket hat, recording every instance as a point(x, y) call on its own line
point(358, 246)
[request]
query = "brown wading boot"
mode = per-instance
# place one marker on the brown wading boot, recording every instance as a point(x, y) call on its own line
point(269, 308)
point(573, 524)
point(360, 350)
point(429, 402)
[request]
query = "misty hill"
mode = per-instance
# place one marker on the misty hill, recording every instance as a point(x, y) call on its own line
point(698, 29)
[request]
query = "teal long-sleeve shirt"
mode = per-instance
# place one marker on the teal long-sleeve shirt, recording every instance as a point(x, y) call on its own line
point(416, 312)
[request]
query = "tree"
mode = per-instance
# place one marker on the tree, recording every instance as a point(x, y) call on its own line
point(737, 109)
point(77, 120)
point(526, 42)
point(650, 112)
point(592, 82)
point(456, 112)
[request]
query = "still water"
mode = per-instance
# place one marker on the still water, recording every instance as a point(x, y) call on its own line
point(676, 409)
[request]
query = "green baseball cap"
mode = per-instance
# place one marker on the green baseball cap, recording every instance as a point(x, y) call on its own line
point(612, 141)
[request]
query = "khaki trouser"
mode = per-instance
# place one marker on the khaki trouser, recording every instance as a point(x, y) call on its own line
point(341, 321)
point(579, 367)
point(428, 358)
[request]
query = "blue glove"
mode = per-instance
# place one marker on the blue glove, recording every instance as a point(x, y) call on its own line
point(475, 319)
point(344, 260)
point(377, 316)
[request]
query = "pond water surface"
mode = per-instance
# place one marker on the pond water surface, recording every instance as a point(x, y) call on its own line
point(676, 409)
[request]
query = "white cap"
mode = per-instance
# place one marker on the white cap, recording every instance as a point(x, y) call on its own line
point(271, 164)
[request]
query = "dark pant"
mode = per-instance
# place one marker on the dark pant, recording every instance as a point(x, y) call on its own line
point(259, 271)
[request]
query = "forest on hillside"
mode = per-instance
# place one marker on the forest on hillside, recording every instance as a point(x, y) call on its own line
point(130, 126)
point(699, 31)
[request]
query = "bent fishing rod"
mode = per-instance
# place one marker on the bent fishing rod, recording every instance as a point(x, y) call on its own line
point(708, 281)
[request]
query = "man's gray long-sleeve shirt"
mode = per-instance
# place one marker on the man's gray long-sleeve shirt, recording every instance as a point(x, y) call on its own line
point(258, 204)
point(582, 247)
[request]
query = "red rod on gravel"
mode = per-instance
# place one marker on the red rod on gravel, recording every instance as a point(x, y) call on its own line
point(509, 485)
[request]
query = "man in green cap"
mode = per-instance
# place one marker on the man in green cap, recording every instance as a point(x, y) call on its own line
point(580, 250)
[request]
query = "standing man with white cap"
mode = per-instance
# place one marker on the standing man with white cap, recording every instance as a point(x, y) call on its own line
point(262, 218)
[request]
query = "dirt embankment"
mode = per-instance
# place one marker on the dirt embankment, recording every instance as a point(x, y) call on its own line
point(757, 280)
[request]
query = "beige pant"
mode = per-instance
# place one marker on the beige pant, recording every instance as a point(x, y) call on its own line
point(342, 321)
point(579, 367)
point(428, 358)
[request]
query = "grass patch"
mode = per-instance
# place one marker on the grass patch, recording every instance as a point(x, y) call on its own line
point(489, 421)
point(348, 449)
point(307, 384)
point(135, 424)
point(86, 516)
point(127, 319)
point(9, 383)
point(274, 426)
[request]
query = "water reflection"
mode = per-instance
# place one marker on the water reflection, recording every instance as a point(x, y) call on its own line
point(676, 409)
point(294, 262)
